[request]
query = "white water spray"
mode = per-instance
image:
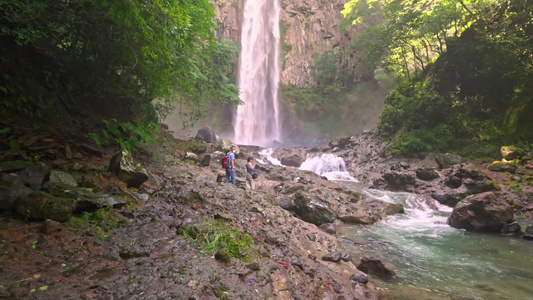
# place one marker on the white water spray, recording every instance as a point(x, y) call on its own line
point(257, 121)
point(328, 165)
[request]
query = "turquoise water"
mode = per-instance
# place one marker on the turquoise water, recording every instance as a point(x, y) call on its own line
point(434, 261)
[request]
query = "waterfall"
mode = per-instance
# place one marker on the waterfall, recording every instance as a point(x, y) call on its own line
point(328, 165)
point(257, 121)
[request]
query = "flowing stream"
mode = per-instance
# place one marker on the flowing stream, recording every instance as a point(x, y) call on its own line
point(257, 121)
point(433, 260)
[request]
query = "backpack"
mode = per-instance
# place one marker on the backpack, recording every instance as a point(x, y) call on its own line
point(223, 162)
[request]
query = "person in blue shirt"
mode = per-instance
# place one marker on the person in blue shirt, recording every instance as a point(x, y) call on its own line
point(230, 163)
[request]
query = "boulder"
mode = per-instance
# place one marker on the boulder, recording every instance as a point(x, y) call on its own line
point(503, 167)
point(485, 212)
point(85, 199)
point(312, 209)
point(448, 198)
point(447, 160)
point(62, 178)
point(10, 191)
point(453, 182)
point(426, 174)
point(14, 166)
point(479, 186)
point(528, 233)
point(206, 134)
point(398, 181)
point(123, 166)
point(206, 160)
point(33, 177)
point(225, 146)
point(511, 227)
point(42, 206)
point(376, 267)
point(190, 156)
point(511, 152)
point(292, 161)
point(368, 211)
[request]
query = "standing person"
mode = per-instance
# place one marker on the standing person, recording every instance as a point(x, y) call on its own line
point(250, 167)
point(230, 165)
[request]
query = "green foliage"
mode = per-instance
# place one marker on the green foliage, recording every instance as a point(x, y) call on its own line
point(404, 36)
point(194, 145)
point(100, 51)
point(324, 68)
point(476, 97)
point(125, 135)
point(217, 236)
point(100, 221)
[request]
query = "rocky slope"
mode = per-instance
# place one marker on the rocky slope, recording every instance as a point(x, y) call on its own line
point(182, 235)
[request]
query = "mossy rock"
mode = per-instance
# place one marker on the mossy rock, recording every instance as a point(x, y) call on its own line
point(14, 166)
point(502, 167)
point(42, 206)
point(511, 152)
point(194, 146)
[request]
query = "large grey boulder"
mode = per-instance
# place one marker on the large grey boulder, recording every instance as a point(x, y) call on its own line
point(312, 209)
point(42, 206)
point(449, 198)
point(62, 178)
point(368, 211)
point(128, 171)
point(447, 160)
point(86, 200)
point(396, 181)
point(10, 191)
point(292, 161)
point(485, 212)
point(33, 177)
point(206, 134)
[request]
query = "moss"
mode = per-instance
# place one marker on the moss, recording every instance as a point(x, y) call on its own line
point(222, 238)
point(194, 146)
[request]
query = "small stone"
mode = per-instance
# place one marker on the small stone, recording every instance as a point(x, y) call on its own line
point(328, 228)
point(453, 182)
point(50, 227)
point(62, 178)
point(337, 287)
point(310, 272)
point(296, 262)
point(332, 256)
point(361, 278)
point(311, 236)
point(345, 256)
point(312, 256)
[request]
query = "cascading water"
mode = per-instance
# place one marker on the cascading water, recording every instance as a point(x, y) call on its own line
point(328, 165)
point(257, 121)
point(433, 260)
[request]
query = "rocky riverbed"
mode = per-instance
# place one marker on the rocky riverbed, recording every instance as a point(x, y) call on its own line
point(92, 225)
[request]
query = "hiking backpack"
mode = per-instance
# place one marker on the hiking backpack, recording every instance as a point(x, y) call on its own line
point(223, 162)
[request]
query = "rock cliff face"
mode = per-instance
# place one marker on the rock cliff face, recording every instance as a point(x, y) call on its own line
point(308, 28)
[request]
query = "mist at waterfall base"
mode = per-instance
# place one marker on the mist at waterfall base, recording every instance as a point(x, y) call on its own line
point(257, 121)
point(433, 260)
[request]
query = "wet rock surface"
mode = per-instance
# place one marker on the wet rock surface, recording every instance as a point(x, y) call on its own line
point(486, 212)
point(376, 267)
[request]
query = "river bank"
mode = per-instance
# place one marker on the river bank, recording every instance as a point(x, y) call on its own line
point(183, 234)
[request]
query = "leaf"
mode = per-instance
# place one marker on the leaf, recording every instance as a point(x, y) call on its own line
point(43, 288)
point(5, 130)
